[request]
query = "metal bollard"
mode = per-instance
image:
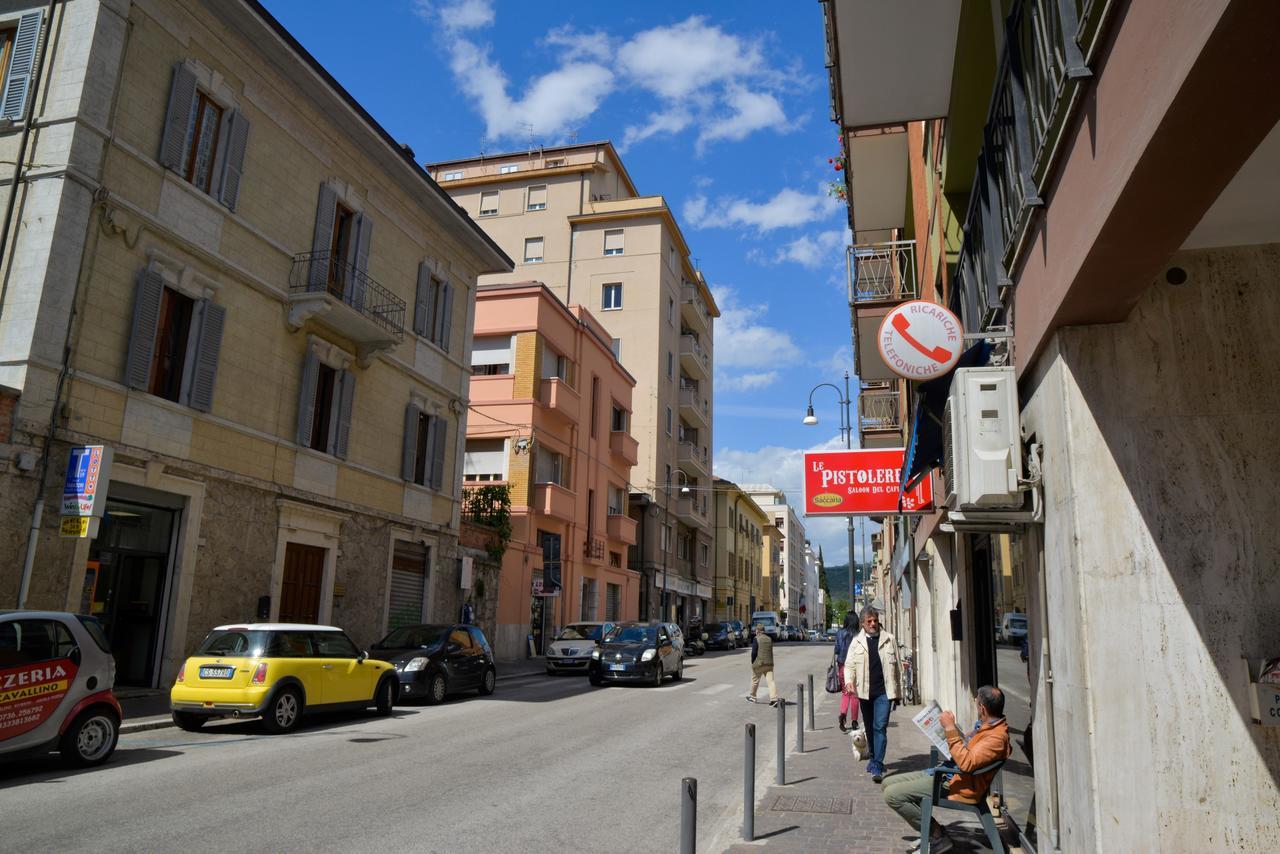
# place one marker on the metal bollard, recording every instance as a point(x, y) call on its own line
point(799, 717)
point(782, 742)
point(749, 785)
point(688, 814)
point(811, 726)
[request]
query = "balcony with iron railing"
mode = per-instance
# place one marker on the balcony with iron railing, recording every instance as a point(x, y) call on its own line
point(882, 272)
point(880, 419)
point(693, 309)
point(689, 453)
point(693, 358)
point(342, 296)
point(694, 407)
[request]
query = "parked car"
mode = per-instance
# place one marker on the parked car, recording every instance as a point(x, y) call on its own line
point(721, 636)
point(741, 634)
point(434, 661)
point(812, 634)
point(637, 652)
point(796, 633)
point(1012, 628)
point(677, 636)
point(56, 676)
point(570, 652)
point(771, 623)
point(278, 672)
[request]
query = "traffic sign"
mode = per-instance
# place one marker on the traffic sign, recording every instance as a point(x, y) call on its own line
point(920, 340)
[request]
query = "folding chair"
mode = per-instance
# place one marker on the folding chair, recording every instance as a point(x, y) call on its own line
point(935, 800)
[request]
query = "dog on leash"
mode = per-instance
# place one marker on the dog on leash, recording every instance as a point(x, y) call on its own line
point(858, 740)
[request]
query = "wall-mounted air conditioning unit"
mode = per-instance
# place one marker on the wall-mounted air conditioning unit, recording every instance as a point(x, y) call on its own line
point(982, 467)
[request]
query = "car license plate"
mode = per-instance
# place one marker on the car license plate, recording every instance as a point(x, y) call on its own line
point(617, 667)
point(217, 672)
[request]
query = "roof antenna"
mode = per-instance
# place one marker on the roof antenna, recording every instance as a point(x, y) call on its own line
point(528, 129)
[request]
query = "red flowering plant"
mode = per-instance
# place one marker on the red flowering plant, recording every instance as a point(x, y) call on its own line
point(838, 188)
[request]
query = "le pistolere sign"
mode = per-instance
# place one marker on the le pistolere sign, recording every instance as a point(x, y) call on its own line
point(862, 482)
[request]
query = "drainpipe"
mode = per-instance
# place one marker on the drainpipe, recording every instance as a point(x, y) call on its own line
point(1046, 667)
point(568, 284)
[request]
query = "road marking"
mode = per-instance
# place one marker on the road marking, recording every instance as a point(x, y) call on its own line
point(716, 689)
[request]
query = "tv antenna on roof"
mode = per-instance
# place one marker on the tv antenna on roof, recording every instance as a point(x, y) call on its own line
point(528, 129)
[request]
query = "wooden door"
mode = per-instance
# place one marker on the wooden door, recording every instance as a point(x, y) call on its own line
point(300, 591)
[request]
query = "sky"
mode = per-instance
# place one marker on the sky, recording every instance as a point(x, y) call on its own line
point(721, 107)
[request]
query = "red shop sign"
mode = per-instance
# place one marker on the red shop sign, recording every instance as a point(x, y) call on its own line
point(860, 483)
point(30, 693)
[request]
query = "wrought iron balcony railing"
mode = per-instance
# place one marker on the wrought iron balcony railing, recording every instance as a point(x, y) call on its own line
point(879, 410)
point(882, 272)
point(319, 273)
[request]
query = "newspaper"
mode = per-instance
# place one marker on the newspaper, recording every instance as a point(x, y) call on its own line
point(928, 721)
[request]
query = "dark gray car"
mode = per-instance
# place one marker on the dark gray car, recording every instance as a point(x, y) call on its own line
point(637, 652)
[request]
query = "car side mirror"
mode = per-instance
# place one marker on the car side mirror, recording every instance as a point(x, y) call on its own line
point(453, 647)
point(361, 657)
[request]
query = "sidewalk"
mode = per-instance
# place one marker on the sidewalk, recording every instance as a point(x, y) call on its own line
point(148, 708)
point(833, 806)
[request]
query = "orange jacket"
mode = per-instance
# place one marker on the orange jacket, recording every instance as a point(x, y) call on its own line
point(989, 744)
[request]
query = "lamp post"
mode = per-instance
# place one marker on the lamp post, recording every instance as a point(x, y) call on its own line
point(846, 432)
point(666, 528)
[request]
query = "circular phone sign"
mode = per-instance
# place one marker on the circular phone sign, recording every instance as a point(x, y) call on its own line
point(920, 340)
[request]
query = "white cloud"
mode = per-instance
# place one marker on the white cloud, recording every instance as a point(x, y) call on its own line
point(573, 45)
point(743, 341)
point(816, 251)
point(747, 382)
point(671, 122)
point(684, 59)
point(751, 111)
point(458, 15)
point(694, 211)
point(787, 209)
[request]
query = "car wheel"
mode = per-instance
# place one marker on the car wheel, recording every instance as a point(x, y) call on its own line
point(658, 675)
point(384, 699)
point(284, 712)
point(437, 689)
point(679, 674)
point(595, 678)
point(188, 721)
point(488, 683)
point(90, 739)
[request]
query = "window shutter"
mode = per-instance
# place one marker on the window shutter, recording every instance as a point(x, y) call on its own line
point(446, 316)
point(182, 95)
point(233, 158)
point(359, 259)
point(437, 452)
point(208, 344)
point(23, 57)
point(408, 455)
point(346, 395)
point(613, 241)
point(142, 337)
point(422, 301)
point(307, 398)
point(326, 209)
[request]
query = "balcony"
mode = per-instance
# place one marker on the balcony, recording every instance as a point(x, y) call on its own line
point(694, 407)
point(693, 309)
point(622, 528)
point(344, 298)
point(882, 272)
point(559, 398)
point(553, 500)
point(880, 418)
point(693, 358)
point(624, 447)
point(593, 549)
point(689, 454)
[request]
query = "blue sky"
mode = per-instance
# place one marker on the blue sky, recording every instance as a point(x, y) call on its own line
point(719, 106)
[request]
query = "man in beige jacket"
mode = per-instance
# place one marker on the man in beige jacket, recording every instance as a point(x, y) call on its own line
point(872, 666)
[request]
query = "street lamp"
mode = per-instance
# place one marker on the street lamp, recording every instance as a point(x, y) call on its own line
point(666, 528)
point(846, 432)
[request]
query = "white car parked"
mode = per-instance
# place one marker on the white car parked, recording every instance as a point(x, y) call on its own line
point(571, 650)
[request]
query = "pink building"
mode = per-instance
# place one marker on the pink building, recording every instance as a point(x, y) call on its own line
point(550, 418)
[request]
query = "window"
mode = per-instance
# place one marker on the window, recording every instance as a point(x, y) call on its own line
point(703, 554)
point(617, 501)
point(549, 467)
point(433, 308)
point(324, 406)
point(508, 169)
point(335, 645)
point(174, 344)
point(32, 641)
point(682, 547)
point(671, 311)
point(554, 365)
point(537, 198)
point(554, 161)
point(455, 175)
point(611, 297)
point(203, 140)
point(668, 420)
point(671, 365)
point(619, 420)
point(613, 241)
point(460, 637)
point(489, 204)
point(532, 250)
point(485, 460)
point(589, 599)
point(423, 452)
point(491, 355)
point(616, 346)
point(665, 543)
point(340, 243)
point(671, 257)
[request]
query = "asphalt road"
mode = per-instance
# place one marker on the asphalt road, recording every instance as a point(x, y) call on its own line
point(545, 764)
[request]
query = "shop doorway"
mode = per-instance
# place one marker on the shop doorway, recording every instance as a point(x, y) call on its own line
point(300, 588)
point(127, 585)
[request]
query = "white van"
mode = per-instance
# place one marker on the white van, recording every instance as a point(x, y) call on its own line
point(768, 619)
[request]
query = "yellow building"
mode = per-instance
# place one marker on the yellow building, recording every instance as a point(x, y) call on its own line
point(741, 553)
point(266, 308)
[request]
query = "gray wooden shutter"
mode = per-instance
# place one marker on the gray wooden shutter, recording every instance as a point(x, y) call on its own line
point(307, 398)
point(359, 260)
point(409, 453)
point(233, 158)
point(420, 303)
point(208, 344)
point(142, 337)
point(437, 453)
point(326, 208)
point(18, 79)
point(446, 316)
point(182, 96)
point(346, 393)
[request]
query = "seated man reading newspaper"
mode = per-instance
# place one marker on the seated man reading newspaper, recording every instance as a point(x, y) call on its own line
point(988, 743)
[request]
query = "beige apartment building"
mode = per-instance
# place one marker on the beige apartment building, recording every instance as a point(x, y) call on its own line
point(571, 217)
point(790, 588)
point(741, 553)
point(228, 274)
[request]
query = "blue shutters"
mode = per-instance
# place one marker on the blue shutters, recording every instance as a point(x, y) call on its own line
point(18, 78)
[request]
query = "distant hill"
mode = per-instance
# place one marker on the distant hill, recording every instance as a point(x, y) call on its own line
point(838, 580)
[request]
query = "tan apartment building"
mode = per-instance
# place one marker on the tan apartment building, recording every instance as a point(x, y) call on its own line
point(550, 419)
point(741, 553)
point(771, 566)
point(572, 218)
point(227, 273)
point(1092, 187)
point(790, 588)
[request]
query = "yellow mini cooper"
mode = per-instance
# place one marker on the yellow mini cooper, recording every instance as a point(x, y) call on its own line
point(278, 672)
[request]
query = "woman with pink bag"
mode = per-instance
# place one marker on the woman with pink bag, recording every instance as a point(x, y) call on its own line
point(848, 694)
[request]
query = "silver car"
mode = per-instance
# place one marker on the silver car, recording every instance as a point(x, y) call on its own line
point(571, 650)
point(56, 675)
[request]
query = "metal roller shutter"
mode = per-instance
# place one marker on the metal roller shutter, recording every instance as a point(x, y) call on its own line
point(408, 585)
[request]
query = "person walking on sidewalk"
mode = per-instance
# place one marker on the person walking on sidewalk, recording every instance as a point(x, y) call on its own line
point(988, 743)
point(848, 696)
point(871, 665)
point(762, 665)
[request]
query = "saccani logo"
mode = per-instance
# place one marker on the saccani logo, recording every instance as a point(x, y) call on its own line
point(827, 499)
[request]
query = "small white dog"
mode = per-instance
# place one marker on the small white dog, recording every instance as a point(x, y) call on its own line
point(858, 739)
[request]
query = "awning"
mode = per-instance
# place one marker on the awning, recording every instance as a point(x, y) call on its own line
point(924, 444)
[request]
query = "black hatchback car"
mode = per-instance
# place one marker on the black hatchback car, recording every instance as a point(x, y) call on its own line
point(721, 636)
point(434, 661)
point(637, 652)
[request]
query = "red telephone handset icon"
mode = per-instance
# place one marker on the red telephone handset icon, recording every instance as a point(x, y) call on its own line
point(938, 354)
